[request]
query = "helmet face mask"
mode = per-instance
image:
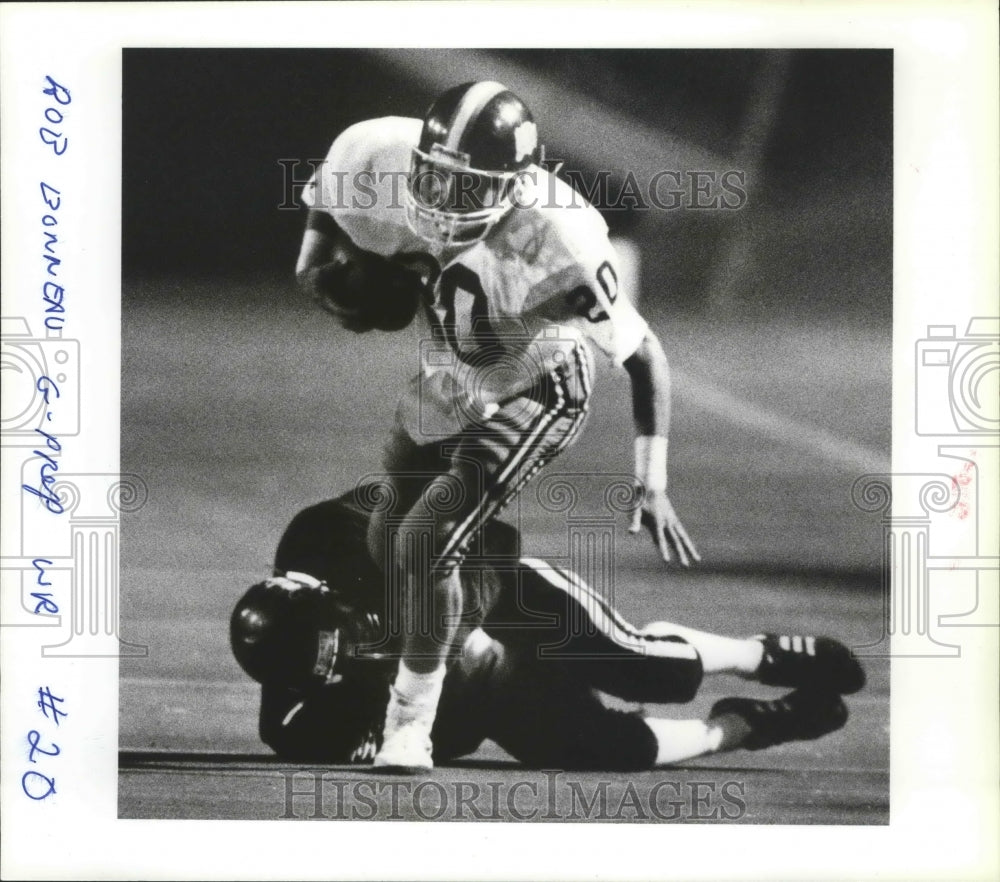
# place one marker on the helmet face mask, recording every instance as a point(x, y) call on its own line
point(449, 204)
point(476, 141)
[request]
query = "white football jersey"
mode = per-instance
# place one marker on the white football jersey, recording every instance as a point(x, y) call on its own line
point(547, 265)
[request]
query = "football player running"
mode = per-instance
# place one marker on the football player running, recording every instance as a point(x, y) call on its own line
point(518, 278)
point(525, 670)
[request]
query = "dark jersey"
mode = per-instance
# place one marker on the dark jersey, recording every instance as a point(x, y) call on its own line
point(342, 721)
point(546, 642)
point(328, 541)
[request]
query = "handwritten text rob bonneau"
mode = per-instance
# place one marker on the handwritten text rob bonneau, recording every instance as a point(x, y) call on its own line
point(53, 136)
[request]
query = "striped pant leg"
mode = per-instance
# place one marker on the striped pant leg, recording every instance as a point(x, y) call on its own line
point(570, 625)
point(512, 446)
point(548, 719)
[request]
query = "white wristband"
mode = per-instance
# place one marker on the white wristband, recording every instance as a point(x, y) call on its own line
point(651, 461)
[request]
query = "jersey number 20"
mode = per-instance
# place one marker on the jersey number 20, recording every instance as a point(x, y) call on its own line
point(459, 277)
point(584, 300)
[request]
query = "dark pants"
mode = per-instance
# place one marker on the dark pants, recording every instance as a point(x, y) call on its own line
point(527, 680)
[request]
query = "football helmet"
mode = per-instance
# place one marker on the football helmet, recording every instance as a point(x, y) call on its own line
point(293, 631)
point(477, 140)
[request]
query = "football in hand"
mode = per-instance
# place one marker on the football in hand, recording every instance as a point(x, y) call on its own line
point(370, 292)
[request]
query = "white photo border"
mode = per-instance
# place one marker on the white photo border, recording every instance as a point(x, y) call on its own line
point(944, 801)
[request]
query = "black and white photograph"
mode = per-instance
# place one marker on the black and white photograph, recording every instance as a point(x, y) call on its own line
point(501, 430)
point(474, 427)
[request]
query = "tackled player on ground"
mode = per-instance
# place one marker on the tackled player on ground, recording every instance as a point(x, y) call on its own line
point(526, 671)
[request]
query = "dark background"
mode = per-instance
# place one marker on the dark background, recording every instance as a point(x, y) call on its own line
point(204, 130)
point(776, 317)
point(242, 402)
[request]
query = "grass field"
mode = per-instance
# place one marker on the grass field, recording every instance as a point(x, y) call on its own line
point(241, 405)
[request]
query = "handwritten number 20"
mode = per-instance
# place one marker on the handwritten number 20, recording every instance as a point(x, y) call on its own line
point(584, 300)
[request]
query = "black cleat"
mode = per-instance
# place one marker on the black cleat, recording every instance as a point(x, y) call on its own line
point(815, 662)
point(799, 716)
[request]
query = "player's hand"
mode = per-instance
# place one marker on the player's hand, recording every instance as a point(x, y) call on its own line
point(657, 515)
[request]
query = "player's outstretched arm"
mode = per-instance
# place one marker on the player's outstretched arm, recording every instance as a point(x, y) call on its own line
point(650, 374)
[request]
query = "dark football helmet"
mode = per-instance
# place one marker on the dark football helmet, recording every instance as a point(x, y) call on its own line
point(477, 139)
point(294, 632)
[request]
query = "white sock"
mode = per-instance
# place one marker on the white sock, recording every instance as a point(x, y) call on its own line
point(678, 740)
point(719, 655)
point(419, 691)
